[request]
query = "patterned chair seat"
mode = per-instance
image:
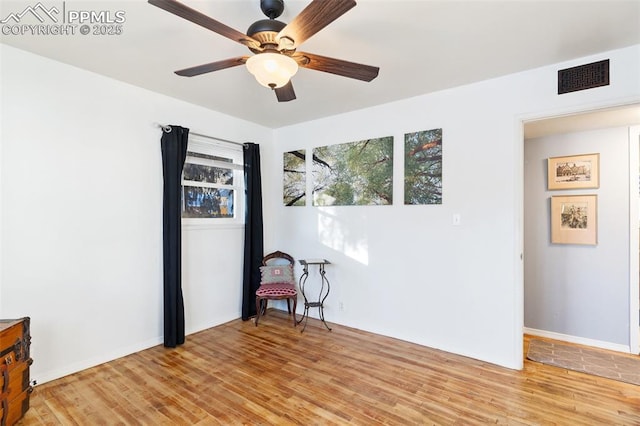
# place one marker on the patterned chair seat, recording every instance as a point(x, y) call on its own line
point(275, 290)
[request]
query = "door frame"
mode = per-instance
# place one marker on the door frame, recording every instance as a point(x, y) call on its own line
point(634, 208)
point(634, 239)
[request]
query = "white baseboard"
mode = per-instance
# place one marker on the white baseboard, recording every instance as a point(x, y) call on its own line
point(578, 340)
point(47, 376)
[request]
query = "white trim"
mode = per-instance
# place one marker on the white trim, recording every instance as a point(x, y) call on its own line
point(518, 252)
point(579, 109)
point(192, 225)
point(634, 239)
point(84, 364)
point(213, 163)
point(577, 340)
point(199, 184)
point(48, 376)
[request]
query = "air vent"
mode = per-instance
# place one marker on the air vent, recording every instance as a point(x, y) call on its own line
point(583, 77)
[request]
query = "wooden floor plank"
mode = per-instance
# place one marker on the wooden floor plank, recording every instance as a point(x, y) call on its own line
point(239, 374)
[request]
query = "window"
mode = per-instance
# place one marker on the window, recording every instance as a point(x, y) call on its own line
point(212, 183)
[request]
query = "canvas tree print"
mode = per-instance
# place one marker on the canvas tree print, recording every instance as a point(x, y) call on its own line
point(354, 173)
point(423, 167)
point(294, 178)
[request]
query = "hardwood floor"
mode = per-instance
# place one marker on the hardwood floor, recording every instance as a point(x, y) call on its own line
point(237, 373)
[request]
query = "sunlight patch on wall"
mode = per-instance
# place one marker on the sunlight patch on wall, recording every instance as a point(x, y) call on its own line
point(349, 239)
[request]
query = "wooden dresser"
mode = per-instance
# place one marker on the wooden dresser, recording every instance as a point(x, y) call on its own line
point(15, 340)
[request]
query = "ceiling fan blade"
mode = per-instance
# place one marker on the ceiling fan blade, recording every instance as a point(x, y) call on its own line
point(286, 93)
point(336, 66)
point(213, 66)
point(317, 15)
point(196, 17)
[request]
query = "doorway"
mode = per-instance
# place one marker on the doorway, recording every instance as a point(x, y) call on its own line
point(627, 117)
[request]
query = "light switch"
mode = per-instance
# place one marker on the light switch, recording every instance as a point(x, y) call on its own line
point(456, 219)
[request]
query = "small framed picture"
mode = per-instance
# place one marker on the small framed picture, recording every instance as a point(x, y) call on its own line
point(574, 172)
point(574, 219)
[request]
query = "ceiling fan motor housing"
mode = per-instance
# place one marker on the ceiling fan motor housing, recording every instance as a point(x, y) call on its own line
point(265, 31)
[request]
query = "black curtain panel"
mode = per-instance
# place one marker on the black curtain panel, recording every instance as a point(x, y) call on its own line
point(174, 153)
point(253, 243)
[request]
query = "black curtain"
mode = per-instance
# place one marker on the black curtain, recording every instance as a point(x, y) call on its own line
point(174, 152)
point(253, 243)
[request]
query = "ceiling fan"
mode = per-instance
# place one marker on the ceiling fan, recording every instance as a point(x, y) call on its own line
point(274, 44)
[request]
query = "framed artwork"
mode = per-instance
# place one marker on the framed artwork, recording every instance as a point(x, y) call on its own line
point(423, 167)
point(294, 182)
point(574, 219)
point(573, 172)
point(354, 174)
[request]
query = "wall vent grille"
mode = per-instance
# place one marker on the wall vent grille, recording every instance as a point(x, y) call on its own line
point(583, 77)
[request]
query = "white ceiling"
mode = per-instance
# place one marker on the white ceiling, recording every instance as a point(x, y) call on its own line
point(420, 47)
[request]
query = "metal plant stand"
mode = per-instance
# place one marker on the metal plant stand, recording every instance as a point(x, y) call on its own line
point(324, 290)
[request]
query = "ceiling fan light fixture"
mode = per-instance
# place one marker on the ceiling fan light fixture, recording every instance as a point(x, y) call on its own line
point(272, 70)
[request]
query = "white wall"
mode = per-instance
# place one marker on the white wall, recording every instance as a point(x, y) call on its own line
point(406, 271)
point(81, 214)
point(580, 291)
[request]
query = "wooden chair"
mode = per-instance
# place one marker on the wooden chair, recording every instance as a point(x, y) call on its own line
point(277, 283)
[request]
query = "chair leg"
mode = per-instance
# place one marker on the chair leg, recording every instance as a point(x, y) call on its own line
point(258, 309)
point(289, 306)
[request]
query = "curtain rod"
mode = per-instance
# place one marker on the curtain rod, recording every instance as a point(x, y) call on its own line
point(167, 129)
